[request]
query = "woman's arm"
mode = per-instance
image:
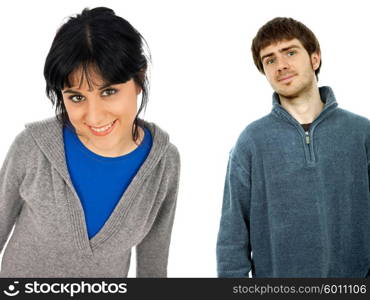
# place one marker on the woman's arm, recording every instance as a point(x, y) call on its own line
point(11, 176)
point(152, 252)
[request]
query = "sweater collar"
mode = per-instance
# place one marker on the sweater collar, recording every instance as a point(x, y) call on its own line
point(48, 135)
point(326, 95)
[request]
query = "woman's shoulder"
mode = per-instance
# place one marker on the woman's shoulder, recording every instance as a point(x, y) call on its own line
point(44, 125)
point(25, 142)
point(20, 152)
point(35, 136)
point(46, 132)
point(162, 142)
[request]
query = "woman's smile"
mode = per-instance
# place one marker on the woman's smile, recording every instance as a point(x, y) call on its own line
point(104, 130)
point(101, 113)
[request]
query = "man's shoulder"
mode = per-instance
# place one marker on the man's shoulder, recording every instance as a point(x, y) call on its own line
point(253, 132)
point(257, 128)
point(352, 120)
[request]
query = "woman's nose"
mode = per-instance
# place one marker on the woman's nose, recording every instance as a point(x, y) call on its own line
point(94, 112)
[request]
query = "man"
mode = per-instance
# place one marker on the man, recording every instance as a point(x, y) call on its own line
point(296, 198)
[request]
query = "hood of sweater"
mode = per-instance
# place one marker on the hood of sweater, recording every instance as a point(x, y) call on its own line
point(48, 135)
point(326, 95)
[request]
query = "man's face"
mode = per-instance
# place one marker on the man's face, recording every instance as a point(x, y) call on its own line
point(289, 68)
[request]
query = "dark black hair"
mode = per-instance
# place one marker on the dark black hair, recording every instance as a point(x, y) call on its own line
point(96, 40)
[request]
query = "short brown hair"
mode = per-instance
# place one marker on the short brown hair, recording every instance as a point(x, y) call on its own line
point(279, 29)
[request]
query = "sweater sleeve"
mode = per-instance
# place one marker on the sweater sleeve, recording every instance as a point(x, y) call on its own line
point(152, 253)
point(368, 168)
point(11, 176)
point(233, 247)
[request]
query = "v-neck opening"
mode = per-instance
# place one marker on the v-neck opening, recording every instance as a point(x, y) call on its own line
point(55, 152)
point(123, 205)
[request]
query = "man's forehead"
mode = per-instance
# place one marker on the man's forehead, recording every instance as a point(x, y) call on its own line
point(280, 45)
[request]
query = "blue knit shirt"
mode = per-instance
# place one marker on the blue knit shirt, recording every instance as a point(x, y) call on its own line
point(101, 181)
point(297, 204)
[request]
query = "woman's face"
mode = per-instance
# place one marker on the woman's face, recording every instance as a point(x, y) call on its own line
point(102, 115)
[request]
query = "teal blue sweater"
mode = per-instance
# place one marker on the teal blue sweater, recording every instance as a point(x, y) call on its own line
point(297, 205)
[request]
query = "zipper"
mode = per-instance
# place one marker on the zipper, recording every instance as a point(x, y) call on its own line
point(308, 143)
point(307, 138)
point(310, 158)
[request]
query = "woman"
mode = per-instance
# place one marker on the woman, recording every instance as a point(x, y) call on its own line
point(86, 186)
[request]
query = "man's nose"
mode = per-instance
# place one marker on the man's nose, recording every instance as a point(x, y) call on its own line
point(282, 64)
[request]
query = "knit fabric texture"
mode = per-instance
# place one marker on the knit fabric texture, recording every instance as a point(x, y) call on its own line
point(50, 236)
point(298, 207)
point(100, 181)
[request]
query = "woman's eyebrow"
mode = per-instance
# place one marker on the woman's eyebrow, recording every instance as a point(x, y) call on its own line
point(70, 92)
point(105, 86)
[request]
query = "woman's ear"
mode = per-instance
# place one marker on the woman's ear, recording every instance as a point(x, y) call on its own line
point(141, 77)
point(138, 89)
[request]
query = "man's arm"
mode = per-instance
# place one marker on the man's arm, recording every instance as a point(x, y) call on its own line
point(367, 145)
point(233, 247)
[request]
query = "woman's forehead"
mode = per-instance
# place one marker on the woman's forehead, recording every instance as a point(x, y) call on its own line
point(85, 78)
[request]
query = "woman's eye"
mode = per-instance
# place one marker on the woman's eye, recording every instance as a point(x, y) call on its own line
point(109, 92)
point(76, 98)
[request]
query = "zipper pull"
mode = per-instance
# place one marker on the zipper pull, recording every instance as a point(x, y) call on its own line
point(307, 137)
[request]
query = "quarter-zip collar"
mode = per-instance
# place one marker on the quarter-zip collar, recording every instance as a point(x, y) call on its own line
point(327, 96)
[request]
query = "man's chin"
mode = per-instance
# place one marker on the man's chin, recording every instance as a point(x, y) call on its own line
point(288, 95)
point(289, 92)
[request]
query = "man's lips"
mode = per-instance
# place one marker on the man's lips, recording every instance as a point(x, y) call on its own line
point(286, 77)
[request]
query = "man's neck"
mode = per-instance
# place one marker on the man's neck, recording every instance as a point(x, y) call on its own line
point(304, 107)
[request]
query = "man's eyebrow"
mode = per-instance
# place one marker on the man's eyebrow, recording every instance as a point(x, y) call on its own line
point(288, 48)
point(280, 50)
point(267, 55)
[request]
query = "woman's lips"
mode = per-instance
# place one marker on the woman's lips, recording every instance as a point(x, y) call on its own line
point(103, 130)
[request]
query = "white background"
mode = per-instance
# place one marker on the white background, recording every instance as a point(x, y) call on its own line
point(204, 90)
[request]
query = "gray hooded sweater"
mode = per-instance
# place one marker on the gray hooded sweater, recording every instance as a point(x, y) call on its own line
point(297, 204)
point(50, 236)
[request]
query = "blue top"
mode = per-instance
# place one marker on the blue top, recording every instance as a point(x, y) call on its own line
point(297, 204)
point(101, 181)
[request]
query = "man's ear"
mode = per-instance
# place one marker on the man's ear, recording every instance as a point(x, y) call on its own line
point(315, 60)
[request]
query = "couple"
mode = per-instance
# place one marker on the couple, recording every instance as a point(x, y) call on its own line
point(296, 198)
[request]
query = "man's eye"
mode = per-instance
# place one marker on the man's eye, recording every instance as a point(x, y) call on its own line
point(109, 92)
point(76, 98)
point(291, 53)
point(270, 61)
